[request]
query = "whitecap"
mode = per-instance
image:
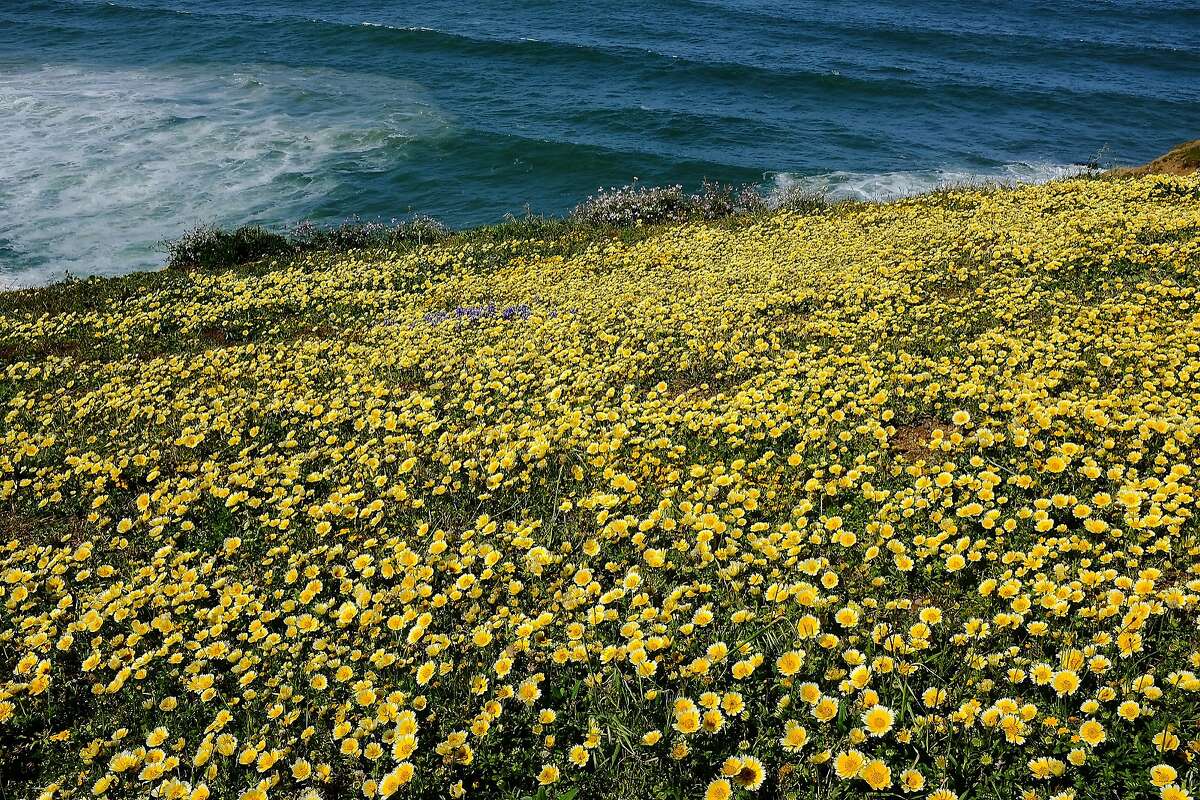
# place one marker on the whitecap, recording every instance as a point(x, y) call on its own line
point(883, 186)
point(98, 166)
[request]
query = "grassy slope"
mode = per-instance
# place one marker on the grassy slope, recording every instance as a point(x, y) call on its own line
point(1183, 159)
point(767, 385)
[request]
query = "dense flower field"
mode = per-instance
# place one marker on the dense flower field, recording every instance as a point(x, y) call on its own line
point(889, 500)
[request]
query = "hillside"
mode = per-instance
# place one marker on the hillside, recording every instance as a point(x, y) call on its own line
point(1183, 159)
point(892, 498)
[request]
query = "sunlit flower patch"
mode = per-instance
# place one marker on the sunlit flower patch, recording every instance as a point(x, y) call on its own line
point(890, 500)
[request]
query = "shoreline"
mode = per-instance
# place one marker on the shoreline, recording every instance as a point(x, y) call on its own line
point(32, 268)
point(1180, 160)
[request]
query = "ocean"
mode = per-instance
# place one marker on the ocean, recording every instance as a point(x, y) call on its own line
point(125, 123)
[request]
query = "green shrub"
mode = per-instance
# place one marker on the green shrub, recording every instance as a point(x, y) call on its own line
point(719, 200)
point(208, 246)
point(793, 197)
point(356, 235)
point(632, 205)
point(648, 205)
point(626, 207)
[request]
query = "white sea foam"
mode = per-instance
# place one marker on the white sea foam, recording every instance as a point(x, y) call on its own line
point(895, 185)
point(97, 167)
point(408, 28)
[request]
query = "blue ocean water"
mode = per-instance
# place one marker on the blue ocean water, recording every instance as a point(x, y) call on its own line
point(124, 123)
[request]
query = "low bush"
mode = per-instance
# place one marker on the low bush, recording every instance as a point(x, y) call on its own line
point(356, 235)
point(794, 197)
point(634, 205)
point(647, 205)
point(208, 246)
point(720, 200)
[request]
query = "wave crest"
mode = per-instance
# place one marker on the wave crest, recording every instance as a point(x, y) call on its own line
point(842, 185)
point(98, 167)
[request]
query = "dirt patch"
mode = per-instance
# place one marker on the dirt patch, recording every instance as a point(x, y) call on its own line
point(324, 332)
point(214, 335)
point(1181, 160)
point(951, 290)
point(30, 529)
point(912, 441)
point(11, 352)
point(702, 384)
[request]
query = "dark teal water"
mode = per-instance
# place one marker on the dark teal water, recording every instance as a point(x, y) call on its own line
point(125, 123)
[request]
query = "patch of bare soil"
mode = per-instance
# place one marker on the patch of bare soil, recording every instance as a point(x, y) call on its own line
point(1181, 160)
point(912, 441)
